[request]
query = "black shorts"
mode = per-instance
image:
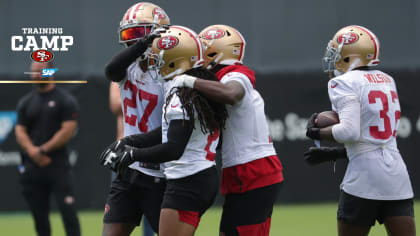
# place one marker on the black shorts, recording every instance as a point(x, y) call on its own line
point(195, 193)
point(133, 195)
point(249, 211)
point(364, 212)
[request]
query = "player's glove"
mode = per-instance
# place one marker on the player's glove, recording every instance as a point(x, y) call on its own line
point(184, 81)
point(124, 159)
point(148, 39)
point(117, 157)
point(117, 145)
point(318, 155)
point(312, 131)
point(106, 158)
point(108, 155)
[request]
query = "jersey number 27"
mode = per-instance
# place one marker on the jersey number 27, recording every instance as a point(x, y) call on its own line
point(132, 102)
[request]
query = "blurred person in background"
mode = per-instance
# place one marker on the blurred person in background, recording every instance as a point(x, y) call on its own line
point(139, 191)
point(376, 186)
point(46, 123)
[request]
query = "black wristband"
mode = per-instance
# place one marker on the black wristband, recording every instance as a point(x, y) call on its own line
point(313, 133)
point(341, 152)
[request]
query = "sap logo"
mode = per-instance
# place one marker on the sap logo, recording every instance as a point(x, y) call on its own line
point(48, 72)
point(7, 122)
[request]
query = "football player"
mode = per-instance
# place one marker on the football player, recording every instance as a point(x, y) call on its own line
point(190, 134)
point(376, 186)
point(140, 190)
point(252, 172)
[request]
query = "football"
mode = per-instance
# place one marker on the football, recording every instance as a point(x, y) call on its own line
point(327, 118)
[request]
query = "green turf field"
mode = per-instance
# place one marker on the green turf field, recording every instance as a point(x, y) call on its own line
point(288, 220)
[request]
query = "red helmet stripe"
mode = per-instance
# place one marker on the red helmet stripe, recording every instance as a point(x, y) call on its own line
point(127, 14)
point(131, 11)
point(135, 10)
point(194, 36)
point(373, 37)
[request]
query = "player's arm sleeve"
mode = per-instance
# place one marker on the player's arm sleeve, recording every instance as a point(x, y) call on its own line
point(148, 139)
point(179, 132)
point(346, 103)
point(116, 69)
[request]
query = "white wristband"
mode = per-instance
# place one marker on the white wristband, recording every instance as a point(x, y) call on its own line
point(189, 81)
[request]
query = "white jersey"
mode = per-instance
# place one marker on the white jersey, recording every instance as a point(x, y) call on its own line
point(141, 101)
point(246, 136)
point(376, 169)
point(200, 152)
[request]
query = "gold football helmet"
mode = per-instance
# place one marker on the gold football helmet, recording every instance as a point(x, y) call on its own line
point(139, 20)
point(222, 45)
point(352, 46)
point(176, 51)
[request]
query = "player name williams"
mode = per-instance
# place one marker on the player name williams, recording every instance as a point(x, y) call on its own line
point(41, 38)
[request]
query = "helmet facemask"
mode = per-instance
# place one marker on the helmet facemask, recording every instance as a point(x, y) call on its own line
point(332, 56)
point(154, 63)
point(212, 57)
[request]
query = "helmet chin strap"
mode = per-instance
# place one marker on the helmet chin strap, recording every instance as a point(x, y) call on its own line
point(354, 64)
point(213, 63)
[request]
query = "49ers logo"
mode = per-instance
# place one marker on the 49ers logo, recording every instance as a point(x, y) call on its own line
point(42, 56)
point(213, 34)
point(159, 12)
point(106, 209)
point(167, 42)
point(348, 38)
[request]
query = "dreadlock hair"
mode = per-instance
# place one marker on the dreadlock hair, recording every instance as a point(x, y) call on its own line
point(211, 115)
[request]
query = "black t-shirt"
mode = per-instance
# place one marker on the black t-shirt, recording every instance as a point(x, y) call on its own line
point(42, 115)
